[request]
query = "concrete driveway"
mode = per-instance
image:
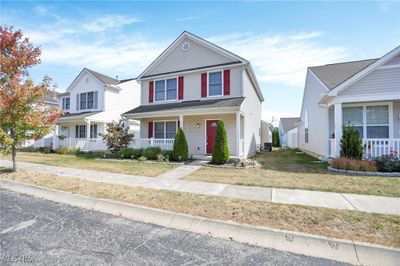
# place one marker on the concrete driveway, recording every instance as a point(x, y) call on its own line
point(41, 232)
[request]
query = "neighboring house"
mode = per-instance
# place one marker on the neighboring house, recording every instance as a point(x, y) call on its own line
point(266, 132)
point(288, 132)
point(194, 84)
point(50, 100)
point(365, 94)
point(91, 101)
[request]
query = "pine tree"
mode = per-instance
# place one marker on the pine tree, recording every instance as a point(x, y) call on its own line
point(180, 151)
point(220, 153)
point(351, 143)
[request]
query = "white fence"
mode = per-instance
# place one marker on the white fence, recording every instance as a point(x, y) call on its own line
point(164, 144)
point(378, 147)
point(372, 147)
point(83, 144)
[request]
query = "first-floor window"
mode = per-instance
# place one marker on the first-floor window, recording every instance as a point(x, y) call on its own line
point(165, 130)
point(93, 131)
point(371, 121)
point(80, 131)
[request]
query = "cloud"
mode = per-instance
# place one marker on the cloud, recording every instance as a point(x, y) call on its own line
point(40, 10)
point(282, 58)
point(109, 22)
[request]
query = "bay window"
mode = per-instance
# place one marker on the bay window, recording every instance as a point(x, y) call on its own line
point(215, 83)
point(166, 90)
point(371, 121)
point(165, 129)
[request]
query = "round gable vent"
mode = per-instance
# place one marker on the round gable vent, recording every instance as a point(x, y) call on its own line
point(185, 46)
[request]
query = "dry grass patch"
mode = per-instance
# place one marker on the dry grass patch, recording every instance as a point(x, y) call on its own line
point(374, 228)
point(90, 163)
point(286, 169)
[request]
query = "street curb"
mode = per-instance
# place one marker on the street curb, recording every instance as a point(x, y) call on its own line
point(353, 252)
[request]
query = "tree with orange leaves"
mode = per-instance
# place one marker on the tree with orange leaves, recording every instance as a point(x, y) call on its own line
point(23, 115)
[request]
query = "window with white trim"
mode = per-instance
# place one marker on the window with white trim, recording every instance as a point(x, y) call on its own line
point(166, 90)
point(65, 103)
point(93, 131)
point(215, 83)
point(372, 121)
point(165, 129)
point(80, 131)
point(88, 100)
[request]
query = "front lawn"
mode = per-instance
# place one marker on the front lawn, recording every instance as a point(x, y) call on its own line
point(289, 169)
point(89, 162)
point(360, 226)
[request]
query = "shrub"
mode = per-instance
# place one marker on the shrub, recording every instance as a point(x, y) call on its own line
point(126, 153)
point(136, 153)
point(389, 163)
point(354, 165)
point(68, 150)
point(220, 153)
point(167, 154)
point(117, 136)
point(151, 152)
point(180, 151)
point(142, 159)
point(275, 138)
point(351, 143)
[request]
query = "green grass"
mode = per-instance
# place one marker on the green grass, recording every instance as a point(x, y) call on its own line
point(289, 169)
point(89, 161)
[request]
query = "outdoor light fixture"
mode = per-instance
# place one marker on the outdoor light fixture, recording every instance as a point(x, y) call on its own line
point(198, 125)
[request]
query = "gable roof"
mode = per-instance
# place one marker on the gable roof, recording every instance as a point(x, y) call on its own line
point(215, 103)
point(288, 123)
point(332, 75)
point(195, 38)
point(105, 79)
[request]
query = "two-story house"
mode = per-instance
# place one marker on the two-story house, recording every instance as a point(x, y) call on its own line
point(89, 103)
point(194, 84)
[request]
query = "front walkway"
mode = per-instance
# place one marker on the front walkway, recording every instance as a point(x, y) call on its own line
point(376, 204)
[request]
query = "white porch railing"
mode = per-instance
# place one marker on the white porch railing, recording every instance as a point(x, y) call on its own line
point(83, 144)
point(378, 147)
point(241, 146)
point(372, 147)
point(164, 144)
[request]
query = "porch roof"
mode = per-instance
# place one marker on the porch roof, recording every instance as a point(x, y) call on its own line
point(76, 116)
point(187, 105)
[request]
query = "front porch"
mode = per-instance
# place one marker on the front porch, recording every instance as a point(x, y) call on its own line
point(377, 122)
point(199, 129)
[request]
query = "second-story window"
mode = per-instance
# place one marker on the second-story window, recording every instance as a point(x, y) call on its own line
point(215, 83)
point(87, 100)
point(65, 103)
point(165, 90)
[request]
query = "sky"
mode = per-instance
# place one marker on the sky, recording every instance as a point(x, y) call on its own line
point(280, 39)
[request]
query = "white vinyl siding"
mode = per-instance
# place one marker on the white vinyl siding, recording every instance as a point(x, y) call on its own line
point(396, 119)
point(197, 56)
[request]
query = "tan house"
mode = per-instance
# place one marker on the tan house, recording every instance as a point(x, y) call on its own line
point(194, 84)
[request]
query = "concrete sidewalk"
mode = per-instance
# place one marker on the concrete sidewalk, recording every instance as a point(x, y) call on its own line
point(344, 201)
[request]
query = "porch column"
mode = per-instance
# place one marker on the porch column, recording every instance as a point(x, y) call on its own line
point(238, 134)
point(87, 135)
point(327, 137)
point(181, 121)
point(338, 127)
point(55, 135)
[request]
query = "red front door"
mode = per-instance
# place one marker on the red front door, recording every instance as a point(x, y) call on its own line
point(210, 137)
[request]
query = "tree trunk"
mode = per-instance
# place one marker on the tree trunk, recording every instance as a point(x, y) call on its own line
point(14, 154)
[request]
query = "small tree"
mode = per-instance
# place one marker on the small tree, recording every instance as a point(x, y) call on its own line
point(351, 143)
point(275, 137)
point(117, 136)
point(220, 153)
point(180, 151)
point(23, 115)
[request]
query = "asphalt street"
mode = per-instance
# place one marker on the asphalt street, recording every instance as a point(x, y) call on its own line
point(40, 232)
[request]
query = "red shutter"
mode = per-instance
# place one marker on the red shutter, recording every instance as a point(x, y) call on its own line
point(203, 84)
point(150, 130)
point(151, 91)
point(180, 88)
point(227, 82)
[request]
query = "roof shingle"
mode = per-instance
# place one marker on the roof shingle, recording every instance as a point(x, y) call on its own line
point(289, 123)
